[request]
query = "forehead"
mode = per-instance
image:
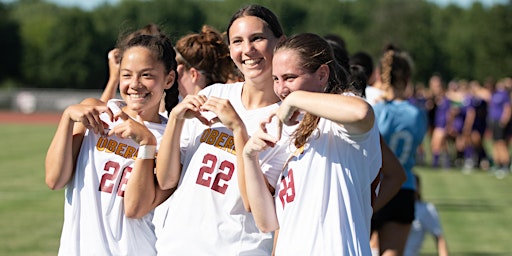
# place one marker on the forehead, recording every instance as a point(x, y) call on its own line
point(248, 25)
point(138, 55)
point(286, 60)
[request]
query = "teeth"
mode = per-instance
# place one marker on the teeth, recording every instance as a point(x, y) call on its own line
point(250, 62)
point(137, 96)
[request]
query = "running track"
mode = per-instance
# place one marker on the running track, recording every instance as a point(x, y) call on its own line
point(7, 117)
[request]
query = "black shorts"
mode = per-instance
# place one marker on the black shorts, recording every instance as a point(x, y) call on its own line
point(498, 131)
point(400, 209)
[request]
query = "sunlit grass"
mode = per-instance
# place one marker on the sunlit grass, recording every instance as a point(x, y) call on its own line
point(475, 209)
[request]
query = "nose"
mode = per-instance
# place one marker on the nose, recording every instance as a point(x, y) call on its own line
point(135, 82)
point(247, 46)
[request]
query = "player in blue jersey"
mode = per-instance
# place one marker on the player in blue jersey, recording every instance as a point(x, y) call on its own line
point(403, 127)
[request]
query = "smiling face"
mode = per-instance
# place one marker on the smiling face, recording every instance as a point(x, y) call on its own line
point(289, 76)
point(251, 47)
point(142, 82)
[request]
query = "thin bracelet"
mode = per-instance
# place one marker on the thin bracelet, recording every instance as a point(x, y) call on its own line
point(146, 152)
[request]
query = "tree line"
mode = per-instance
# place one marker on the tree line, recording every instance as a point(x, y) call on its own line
point(44, 45)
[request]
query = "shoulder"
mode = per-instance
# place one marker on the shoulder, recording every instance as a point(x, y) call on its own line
point(221, 89)
point(93, 102)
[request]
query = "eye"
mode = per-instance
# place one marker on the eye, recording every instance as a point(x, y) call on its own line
point(147, 75)
point(236, 41)
point(289, 78)
point(257, 38)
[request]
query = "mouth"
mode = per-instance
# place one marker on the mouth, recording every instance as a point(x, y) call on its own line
point(251, 62)
point(138, 96)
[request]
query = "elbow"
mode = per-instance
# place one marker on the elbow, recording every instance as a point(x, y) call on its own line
point(53, 183)
point(267, 227)
point(167, 184)
point(133, 212)
point(366, 118)
point(133, 215)
point(247, 207)
point(167, 178)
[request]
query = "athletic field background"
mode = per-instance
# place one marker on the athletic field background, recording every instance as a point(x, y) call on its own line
point(475, 209)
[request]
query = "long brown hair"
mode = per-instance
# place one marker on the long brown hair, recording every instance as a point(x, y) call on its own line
point(395, 69)
point(314, 51)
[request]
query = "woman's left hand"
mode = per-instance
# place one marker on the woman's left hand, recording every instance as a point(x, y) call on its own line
point(225, 112)
point(133, 129)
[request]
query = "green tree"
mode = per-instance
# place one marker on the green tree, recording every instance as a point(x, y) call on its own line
point(10, 46)
point(73, 59)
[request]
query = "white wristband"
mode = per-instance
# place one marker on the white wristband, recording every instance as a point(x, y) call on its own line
point(146, 152)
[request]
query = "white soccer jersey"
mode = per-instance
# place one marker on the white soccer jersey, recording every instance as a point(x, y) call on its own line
point(206, 215)
point(323, 200)
point(426, 221)
point(94, 219)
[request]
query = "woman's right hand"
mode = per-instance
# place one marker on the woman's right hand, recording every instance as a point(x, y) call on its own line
point(113, 63)
point(89, 116)
point(261, 139)
point(190, 107)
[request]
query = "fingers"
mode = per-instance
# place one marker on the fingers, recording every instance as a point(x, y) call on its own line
point(113, 55)
point(279, 129)
point(122, 115)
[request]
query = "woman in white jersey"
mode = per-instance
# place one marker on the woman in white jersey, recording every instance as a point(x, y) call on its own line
point(100, 149)
point(206, 213)
point(322, 203)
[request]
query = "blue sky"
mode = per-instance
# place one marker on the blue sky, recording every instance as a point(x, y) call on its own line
point(90, 4)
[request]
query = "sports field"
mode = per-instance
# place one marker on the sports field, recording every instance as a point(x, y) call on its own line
point(475, 209)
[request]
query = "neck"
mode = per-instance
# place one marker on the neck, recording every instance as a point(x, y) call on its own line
point(258, 95)
point(148, 115)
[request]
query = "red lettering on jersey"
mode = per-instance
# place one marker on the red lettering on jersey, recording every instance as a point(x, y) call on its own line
point(222, 177)
point(124, 180)
point(204, 177)
point(108, 179)
point(287, 191)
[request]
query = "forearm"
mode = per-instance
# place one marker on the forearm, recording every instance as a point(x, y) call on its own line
point(110, 90)
point(393, 176)
point(352, 112)
point(442, 247)
point(241, 137)
point(168, 164)
point(59, 163)
point(140, 192)
point(259, 197)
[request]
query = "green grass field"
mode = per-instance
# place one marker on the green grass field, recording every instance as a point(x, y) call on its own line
point(475, 209)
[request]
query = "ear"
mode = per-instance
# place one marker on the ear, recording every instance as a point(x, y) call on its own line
point(171, 77)
point(323, 73)
point(194, 74)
